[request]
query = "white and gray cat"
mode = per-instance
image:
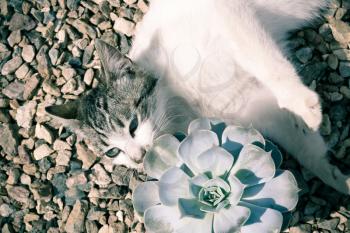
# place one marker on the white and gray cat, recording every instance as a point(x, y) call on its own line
point(226, 58)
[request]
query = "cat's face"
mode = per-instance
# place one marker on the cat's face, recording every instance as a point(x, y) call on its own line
point(116, 116)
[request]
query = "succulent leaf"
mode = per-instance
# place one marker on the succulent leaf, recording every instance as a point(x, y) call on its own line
point(145, 195)
point(230, 220)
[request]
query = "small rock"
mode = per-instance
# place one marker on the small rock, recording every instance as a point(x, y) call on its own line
point(50, 88)
point(63, 158)
point(31, 86)
point(69, 87)
point(124, 26)
point(14, 38)
point(22, 71)
point(53, 54)
point(73, 4)
point(335, 78)
point(121, 176)
point(11, 66)
point(100, 176)
point(130, 2)
point(42, 151)
point(329, 225)
point(304, 54)
point(340, 30)
point(326, 127)
point(14, 90)
point(61, 145)
point(25, 114)
point(85, 155)
point(345, 91)
point(75, 221)
point(72, 195)
point(43, 62)
point(42, 132)
point(89, 75)
point(333, 61)
point(6, 210)
point(344, 69)
point(18, 193)
point(142, 5)
point(84, 28)
point(304, 228)
point(13, 176)
point(342, 54)
point(8, 139)
point(68, 73)
point(20, 22)
point(28, 53)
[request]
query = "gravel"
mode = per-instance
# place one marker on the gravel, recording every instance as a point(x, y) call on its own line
point(50, 181)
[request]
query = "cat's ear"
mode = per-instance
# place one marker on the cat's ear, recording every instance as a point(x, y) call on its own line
point(112, 60)
point(68, 111)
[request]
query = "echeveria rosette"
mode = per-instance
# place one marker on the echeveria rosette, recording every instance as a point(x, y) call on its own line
point(217, 179)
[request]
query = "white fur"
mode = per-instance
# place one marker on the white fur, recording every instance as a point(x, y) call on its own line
point(225, 57)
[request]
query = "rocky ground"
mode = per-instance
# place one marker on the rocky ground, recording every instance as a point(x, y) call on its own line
point(50, 182)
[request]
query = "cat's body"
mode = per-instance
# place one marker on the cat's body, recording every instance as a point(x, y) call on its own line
point(226, 59)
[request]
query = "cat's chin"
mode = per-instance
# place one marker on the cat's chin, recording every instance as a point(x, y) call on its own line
point(124, 160)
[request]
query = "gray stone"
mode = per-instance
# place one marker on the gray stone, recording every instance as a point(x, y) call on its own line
point(333, 61)
point(344, 69)
point(304, 54)
point(8, 139)
point(329, 225)
point(342, 54)
point(345, 91)
point(44, 66)
point(28, 53)
point(25, 114)
point(20, 22)
point(69, 87)
point(42, 151)
point(11, 66)
point(304, 228)
point(72, 4)
point(53, 54)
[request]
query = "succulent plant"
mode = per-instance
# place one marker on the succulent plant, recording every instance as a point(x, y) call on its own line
point(217, 179)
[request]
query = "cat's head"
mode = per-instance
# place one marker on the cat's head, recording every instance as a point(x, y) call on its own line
point(115, 116)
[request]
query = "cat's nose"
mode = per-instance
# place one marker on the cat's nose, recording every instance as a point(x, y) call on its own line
point(140, 159)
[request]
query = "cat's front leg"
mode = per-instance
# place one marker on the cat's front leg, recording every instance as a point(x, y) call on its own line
point(303, 102)
point(258, 53)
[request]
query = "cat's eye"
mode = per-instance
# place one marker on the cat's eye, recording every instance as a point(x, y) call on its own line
point(133, 126)
point(112, 153)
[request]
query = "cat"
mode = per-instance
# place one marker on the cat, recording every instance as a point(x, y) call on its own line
point(224, 59)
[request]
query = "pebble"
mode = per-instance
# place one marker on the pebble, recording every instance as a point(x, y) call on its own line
point(14, 38)
point(18, 193)
point(8, 139)
point(31, 86)
point(21, 22)
point(6, 210)
point(75, 221)
point(22, 71)
point(14, 90)
point(100, 176)
point(25, 114)
point(42, 151)
point(85, 155)
point(342, 54)
point(68, 73)
point(124, 26)
point(333, 61)
point(341, 31)
point(344, 69)
point(304, 54)
point(11, 66)
point(28, 53)
point(50, 88)
point(89, 75)
point(43, 132)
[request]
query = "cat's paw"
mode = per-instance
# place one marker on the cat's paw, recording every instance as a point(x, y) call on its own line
point(305, 104)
